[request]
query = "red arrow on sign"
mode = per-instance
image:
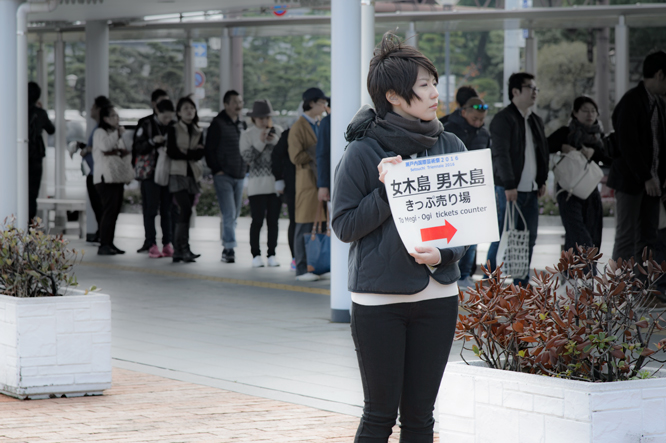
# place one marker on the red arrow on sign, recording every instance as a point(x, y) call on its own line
point(438, 232)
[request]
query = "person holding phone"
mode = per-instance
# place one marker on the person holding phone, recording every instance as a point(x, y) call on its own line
point(256, 146)
point(404, 306)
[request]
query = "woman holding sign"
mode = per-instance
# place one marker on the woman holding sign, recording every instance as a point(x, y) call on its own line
point(404, 305)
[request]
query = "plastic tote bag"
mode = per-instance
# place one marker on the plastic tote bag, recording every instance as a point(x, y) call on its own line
point(318, 246)
point(514, 246)
point(577, 175)
point(162, 168)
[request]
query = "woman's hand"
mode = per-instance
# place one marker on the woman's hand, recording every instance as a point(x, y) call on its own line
point(427, 255)
point(199, 146)
point(383, 170)
point(159, 139)
point(123, 152)
point(121, 130)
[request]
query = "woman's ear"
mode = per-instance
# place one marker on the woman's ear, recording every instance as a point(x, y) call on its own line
point(392, 97)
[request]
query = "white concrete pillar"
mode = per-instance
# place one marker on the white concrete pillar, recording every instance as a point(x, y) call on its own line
point(188, 75)
point(447, 70)
point(345, 84)
point(43, 73)
point(8, 121)
point(97, 83)
point(411, 37)
point(531, 53)
point(602, 79)
point(237, 62)
point(60, 123)
point(367, 46)
point(513, 40)
point(621, 60)
point(225, 65)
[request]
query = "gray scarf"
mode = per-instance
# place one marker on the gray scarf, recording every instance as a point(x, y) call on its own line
point(393, 132)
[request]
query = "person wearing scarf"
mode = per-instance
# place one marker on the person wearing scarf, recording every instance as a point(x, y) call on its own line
point(404, 306)
point(185, 149)
point(582, 219)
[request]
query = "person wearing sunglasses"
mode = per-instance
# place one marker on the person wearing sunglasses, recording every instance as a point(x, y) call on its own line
point(463, 94)
point(468, 126)
point(520, 159)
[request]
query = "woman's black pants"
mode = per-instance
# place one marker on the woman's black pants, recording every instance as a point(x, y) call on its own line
point(264, 206)
point(402, 351)
point(185, 201)
point(111, 195)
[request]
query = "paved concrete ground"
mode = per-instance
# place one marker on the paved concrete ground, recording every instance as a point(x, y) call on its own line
point(228, 326)
point(146, 408)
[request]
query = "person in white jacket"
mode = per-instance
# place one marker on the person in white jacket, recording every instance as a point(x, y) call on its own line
point(113, 169)
point(256, 146)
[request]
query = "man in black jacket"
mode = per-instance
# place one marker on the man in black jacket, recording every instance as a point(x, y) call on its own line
point(467, 125)
point(639, 170)
point(147, 131)
point(463, 94)
point(224, 159)
point(520, 158)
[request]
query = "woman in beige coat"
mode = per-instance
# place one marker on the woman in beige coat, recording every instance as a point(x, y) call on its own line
point(113, 169)
point(185, 149)
point(302, 152)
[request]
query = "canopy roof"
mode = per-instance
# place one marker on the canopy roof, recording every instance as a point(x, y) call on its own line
point(124, 27)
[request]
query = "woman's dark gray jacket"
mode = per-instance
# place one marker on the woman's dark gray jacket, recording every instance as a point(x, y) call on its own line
point(378, 261)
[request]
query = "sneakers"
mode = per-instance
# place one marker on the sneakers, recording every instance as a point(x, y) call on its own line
point(167, 250)
point(293, 264)
point(154, 252)
point(228, 256)
point(272, 262)
point(307, 277)
point(325, 276)
point(257, 262)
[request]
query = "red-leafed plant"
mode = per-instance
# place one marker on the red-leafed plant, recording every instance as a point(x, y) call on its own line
point(568, 322)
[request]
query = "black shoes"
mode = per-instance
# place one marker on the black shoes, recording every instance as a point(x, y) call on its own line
point(181, 244)
point(106, 250)
point(228, 256)
point(145, 248)
point(117, 250)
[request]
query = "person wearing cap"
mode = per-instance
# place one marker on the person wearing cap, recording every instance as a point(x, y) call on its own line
point(302, 152)
point(463, 94)
point(256, 147)
point(468, 126)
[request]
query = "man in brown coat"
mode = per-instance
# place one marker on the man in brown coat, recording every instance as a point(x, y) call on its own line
point(302, 152)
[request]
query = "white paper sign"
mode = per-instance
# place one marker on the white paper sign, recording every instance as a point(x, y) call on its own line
point(444, 201)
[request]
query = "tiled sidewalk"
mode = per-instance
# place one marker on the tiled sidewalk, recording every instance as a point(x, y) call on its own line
point(146, 408)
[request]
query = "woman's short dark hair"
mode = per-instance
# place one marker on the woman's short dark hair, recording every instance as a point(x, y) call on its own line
point(165, 106)
point(517, 80)
point(180, 105)
point(34, 92)
point(307, 105)
point(580, 101)
point(395, 67)
point(653, 63)
point(105, 111)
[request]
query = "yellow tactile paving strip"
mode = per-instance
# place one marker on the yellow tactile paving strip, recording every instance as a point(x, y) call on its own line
point(233, 281)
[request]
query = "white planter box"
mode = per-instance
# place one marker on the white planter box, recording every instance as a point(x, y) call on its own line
point(479, 405)
point(55, 346)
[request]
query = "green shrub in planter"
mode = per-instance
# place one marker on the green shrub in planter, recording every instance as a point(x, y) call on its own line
point(34, 264)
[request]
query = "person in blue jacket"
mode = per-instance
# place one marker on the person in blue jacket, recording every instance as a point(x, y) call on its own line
point(404, 306)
